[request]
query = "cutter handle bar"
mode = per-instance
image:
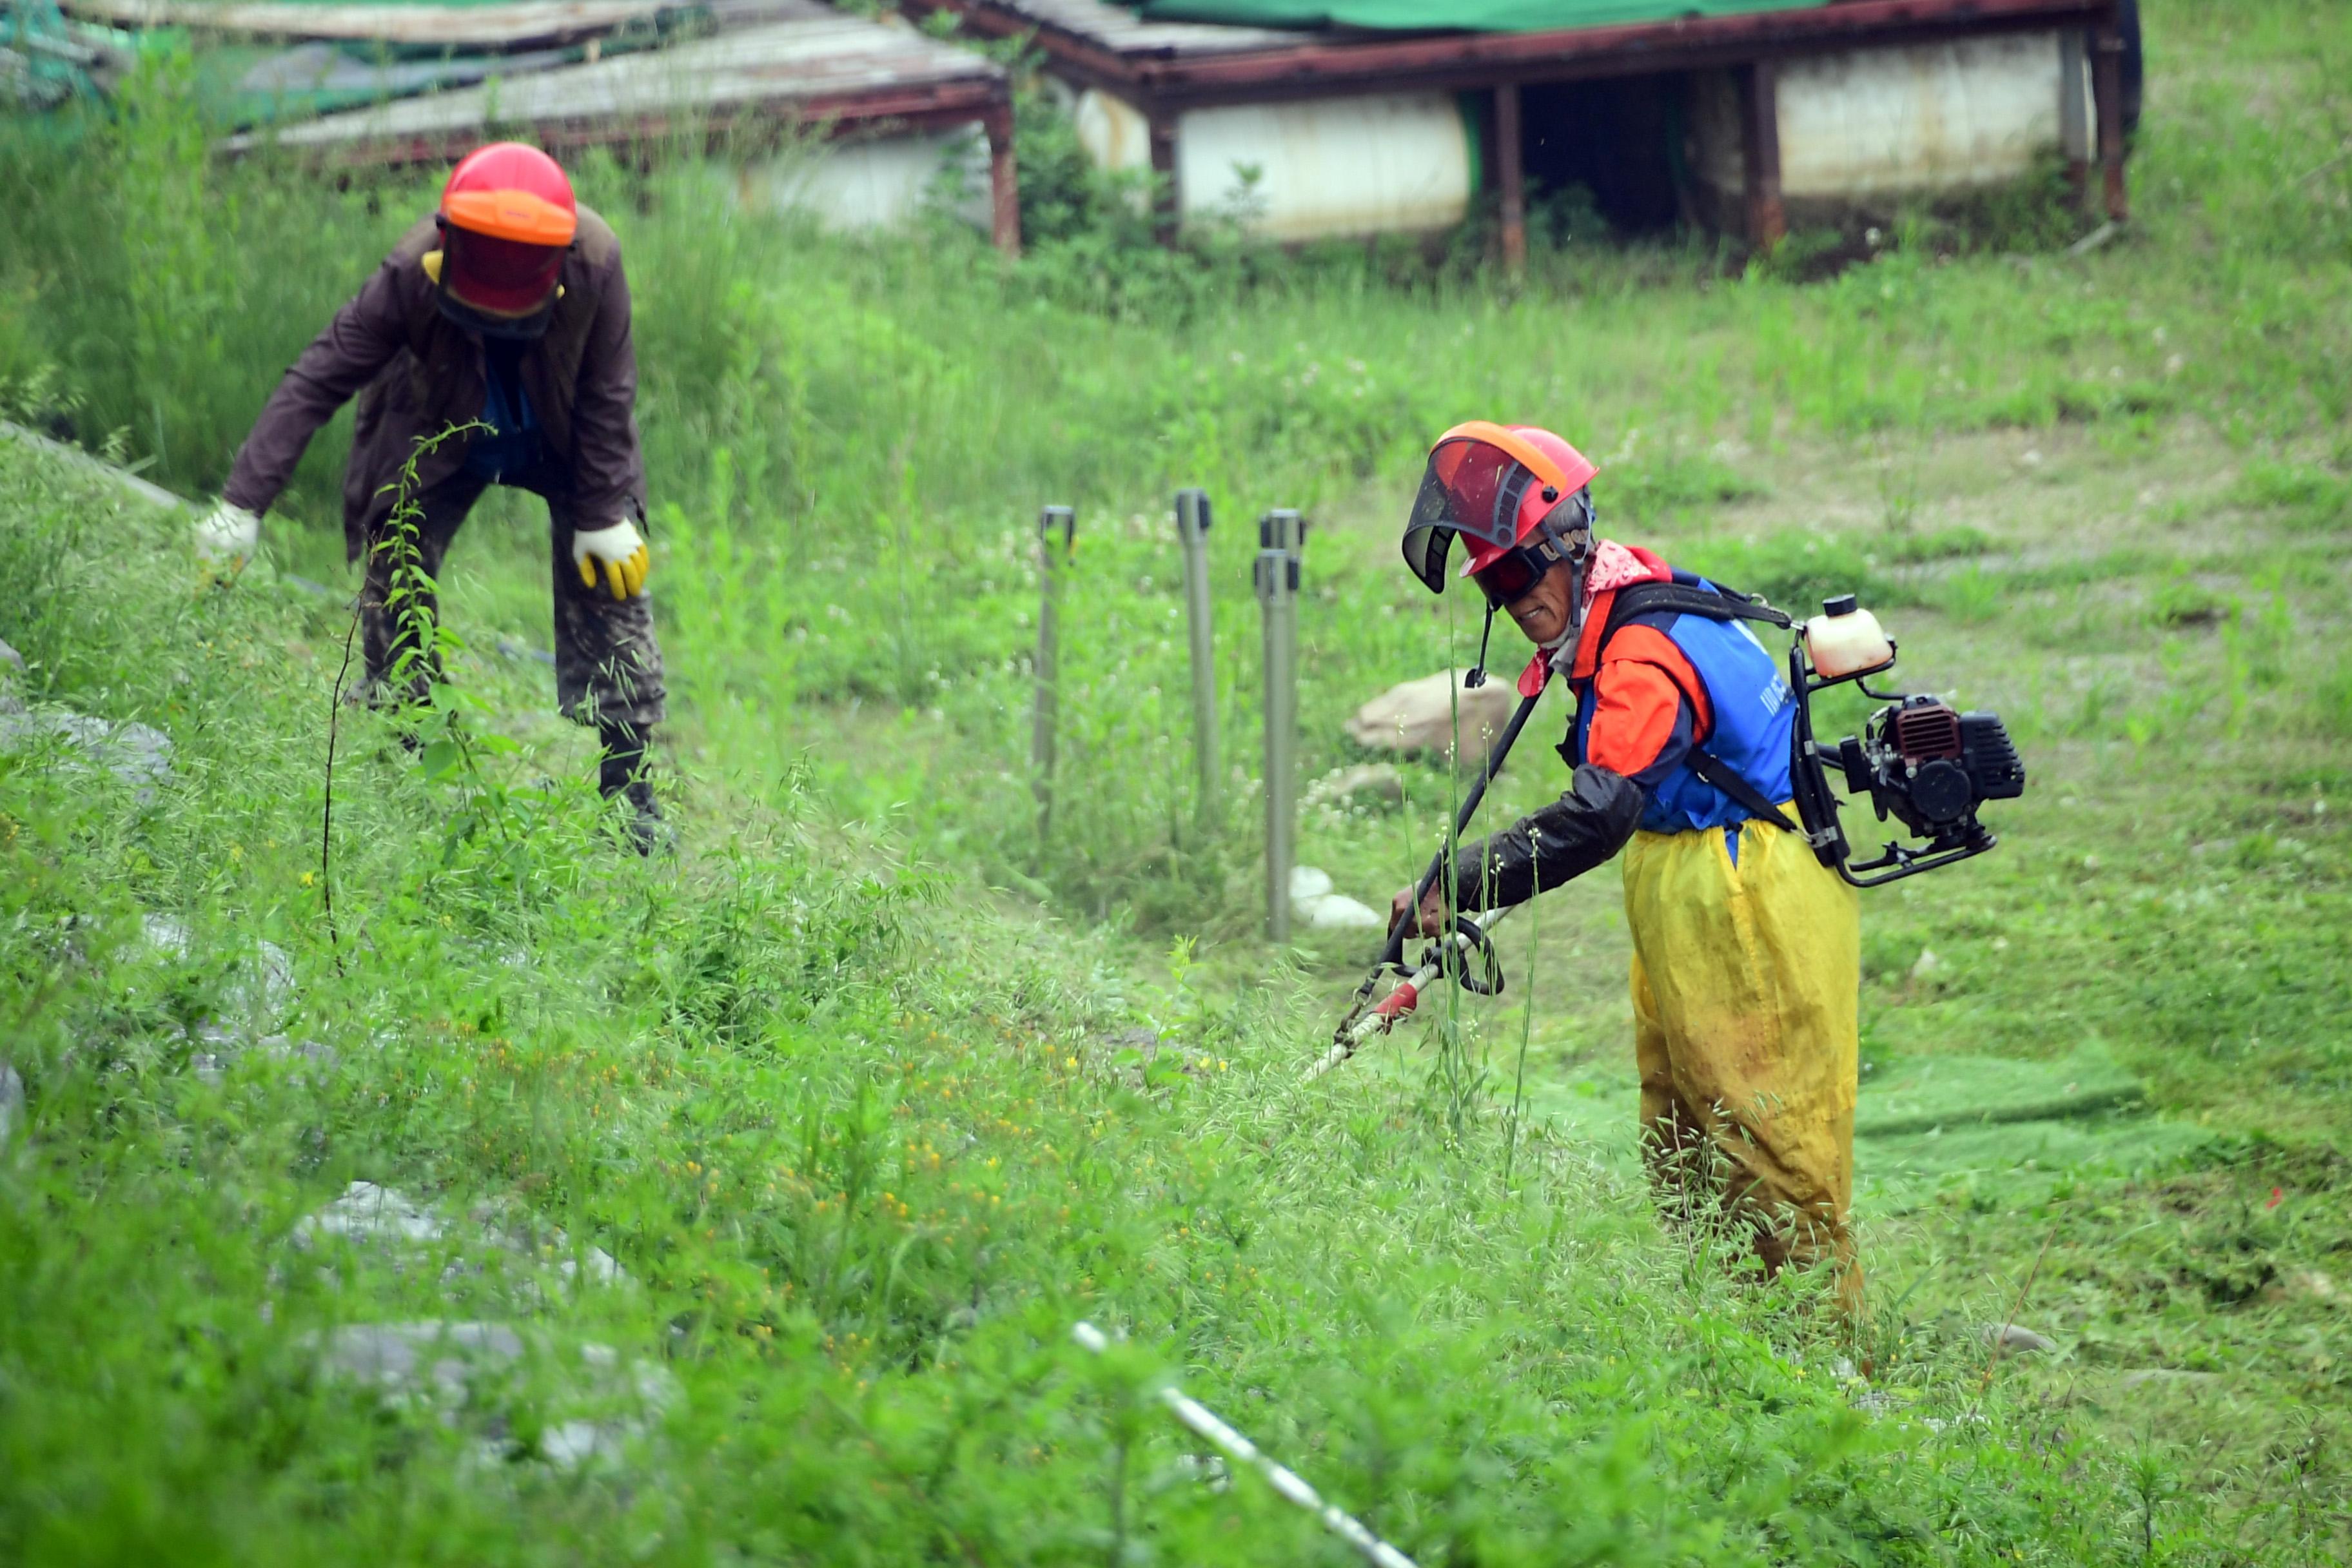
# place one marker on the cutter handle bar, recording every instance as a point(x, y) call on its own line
point(1398, 1006)
point(1393, 952)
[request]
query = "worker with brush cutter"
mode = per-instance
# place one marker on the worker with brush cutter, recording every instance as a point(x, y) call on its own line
point(1747, 947)
point(502, 317)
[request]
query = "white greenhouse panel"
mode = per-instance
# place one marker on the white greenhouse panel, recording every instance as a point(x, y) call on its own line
point(1875, 122)
point(1327, 168)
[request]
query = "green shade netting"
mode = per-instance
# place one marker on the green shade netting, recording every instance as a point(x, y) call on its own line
point(1474, 16)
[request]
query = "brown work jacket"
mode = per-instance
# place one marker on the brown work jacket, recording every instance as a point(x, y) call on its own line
point(416, 374)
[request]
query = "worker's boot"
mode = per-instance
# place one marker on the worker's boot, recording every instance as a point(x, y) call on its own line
point(622, 772)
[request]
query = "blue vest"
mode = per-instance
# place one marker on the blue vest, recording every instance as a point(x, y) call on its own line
point(1749, 692)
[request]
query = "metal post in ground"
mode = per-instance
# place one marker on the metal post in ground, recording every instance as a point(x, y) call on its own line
point(1280, 533)
point(2108, 97)
point(1759, 118)
point(1508, 163)
point(1053, 561)
point(1192, 533)
point(2074, 111)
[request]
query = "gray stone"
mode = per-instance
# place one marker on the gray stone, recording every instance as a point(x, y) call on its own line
point(12, 1097)
point(455, 1367)
point(434, 1356)
point(1871, 1400)
point(136, 753)
point(1337, 911)
point(12, 676)
point(1314, 904)
point(259, 993)
point(370, 1215)
point(367, 1213)
point(1418, 716)
point(2011, 1339)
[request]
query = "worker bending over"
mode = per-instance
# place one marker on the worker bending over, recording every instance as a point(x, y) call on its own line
point(1746, 949)
point(507, 309)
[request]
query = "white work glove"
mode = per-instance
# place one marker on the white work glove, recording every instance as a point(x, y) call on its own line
point(226, 538)
point(615, 556)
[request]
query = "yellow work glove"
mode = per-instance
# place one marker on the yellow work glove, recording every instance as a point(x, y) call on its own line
point(615, 557)
point(226, 538)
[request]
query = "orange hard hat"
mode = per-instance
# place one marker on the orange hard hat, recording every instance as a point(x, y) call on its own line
point(507, 214)
point(1494, 485)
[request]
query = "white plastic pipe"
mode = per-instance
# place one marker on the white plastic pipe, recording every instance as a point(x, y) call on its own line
point(1204, 1422)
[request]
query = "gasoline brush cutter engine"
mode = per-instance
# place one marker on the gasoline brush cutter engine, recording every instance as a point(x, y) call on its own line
point(1920, 761)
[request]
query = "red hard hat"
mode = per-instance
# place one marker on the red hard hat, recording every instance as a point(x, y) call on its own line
point(1492, 484)
point(507, 214)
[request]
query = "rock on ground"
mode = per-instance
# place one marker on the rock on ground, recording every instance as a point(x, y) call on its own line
point(455, 1367)
point(1313, 902)
point(12, 1097)
point(2011, 1339)
point(138, 754)
point(369, 1214)
point(259, 993)
point(1418, 716)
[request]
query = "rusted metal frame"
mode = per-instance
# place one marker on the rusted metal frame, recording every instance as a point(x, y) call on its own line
point(1484, 59)
point(1540, 72)
point(2107, 89)
point(1510, 175)
point(1004, 177)
point(1167, 195)
point(1759, 151)
point(1193, 91)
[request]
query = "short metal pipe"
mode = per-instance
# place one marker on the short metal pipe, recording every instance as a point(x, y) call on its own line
point(1053, 561)
point(1192, 520)
point(1279, 535)
point(2074, 111)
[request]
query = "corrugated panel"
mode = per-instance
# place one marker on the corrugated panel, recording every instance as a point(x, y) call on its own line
point(833, 61)
point(1117, 28)
point(507, 25)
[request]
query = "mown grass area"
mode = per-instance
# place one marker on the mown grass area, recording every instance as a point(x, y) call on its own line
point(2109, 496)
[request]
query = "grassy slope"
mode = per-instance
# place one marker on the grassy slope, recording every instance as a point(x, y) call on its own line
point(865, 1156)
point(2107, 496)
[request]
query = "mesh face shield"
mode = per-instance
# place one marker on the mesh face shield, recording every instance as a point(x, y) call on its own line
point(1479, 482)
point(499, 288)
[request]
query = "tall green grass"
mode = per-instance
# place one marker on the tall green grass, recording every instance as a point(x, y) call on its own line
point(848, 440)
point(864, 1158)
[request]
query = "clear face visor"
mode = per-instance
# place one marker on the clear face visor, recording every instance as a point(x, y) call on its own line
point(1470, 488)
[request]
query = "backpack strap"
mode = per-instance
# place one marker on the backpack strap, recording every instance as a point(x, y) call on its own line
point(1712, 770)
point(1685, 598)
point(1722, 604)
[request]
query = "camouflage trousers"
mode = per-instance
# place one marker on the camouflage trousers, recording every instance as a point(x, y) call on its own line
point(608, 668)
